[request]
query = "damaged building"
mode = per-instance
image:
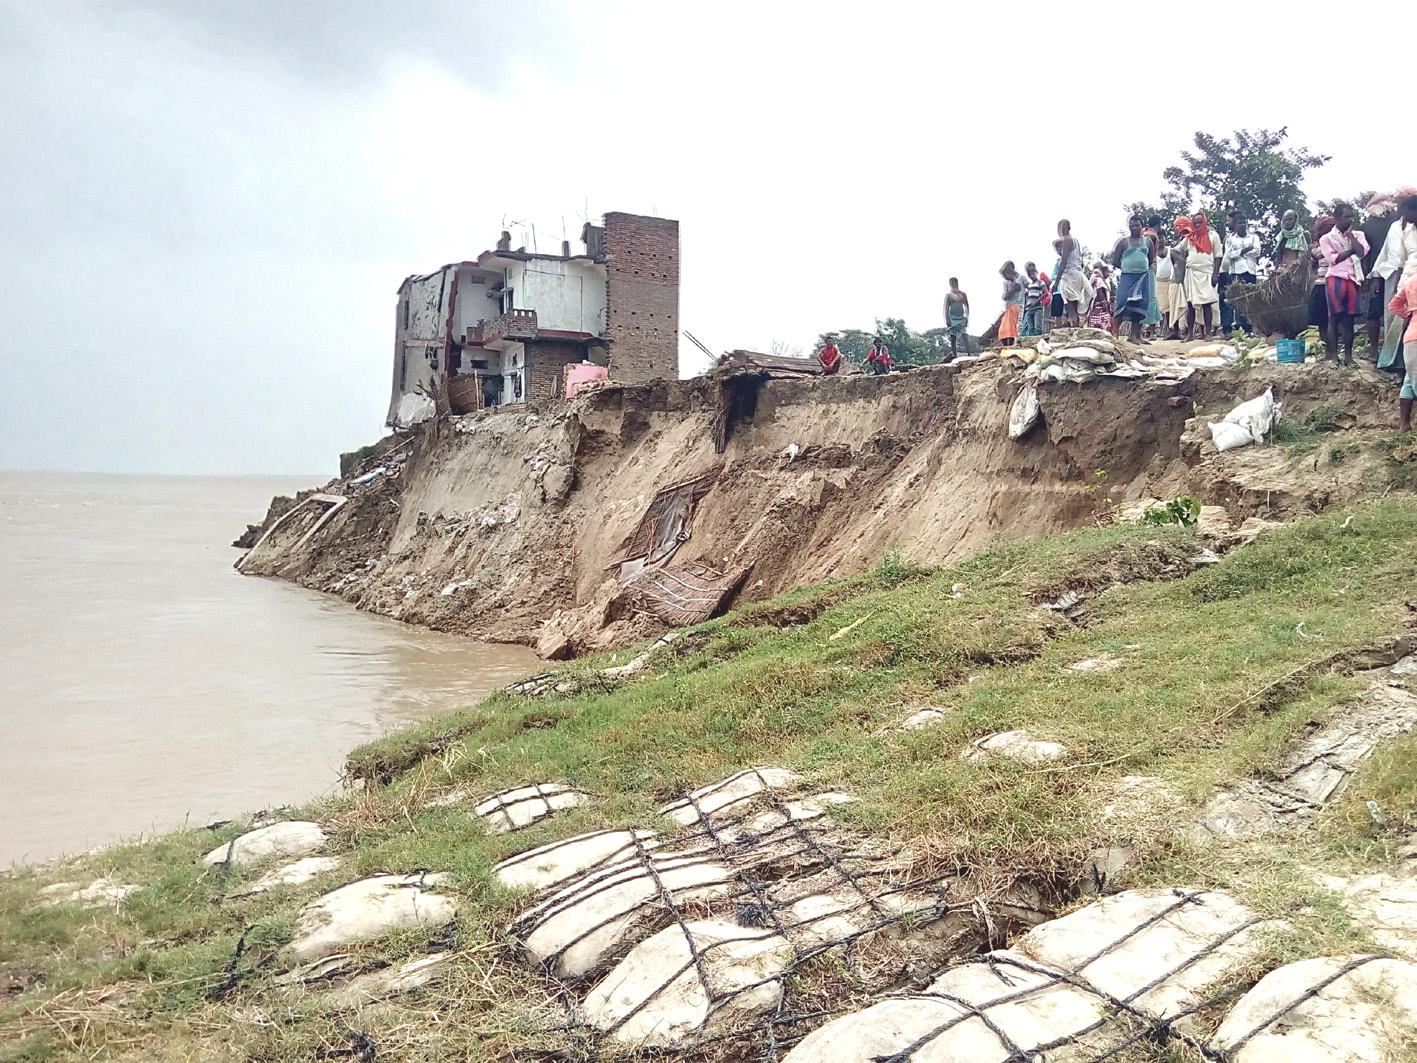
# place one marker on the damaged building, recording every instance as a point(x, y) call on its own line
point(507, 327)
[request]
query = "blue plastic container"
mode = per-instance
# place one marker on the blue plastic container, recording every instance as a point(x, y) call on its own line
point(1290, 351)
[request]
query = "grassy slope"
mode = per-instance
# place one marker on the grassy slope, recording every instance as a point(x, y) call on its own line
point(742, 691)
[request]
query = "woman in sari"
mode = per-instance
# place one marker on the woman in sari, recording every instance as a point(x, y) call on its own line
point(1099, 314)
point(1013, 305)
point(1318, 294)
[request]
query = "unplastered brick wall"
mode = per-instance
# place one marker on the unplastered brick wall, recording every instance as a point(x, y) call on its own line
point(545, 359)
point(642, 296)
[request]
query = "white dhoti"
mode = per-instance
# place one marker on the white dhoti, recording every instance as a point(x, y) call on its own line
point(1200, 279)
point(1075, 289)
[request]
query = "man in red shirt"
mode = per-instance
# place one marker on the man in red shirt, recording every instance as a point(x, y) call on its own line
point(830, 357)
point(879, 360)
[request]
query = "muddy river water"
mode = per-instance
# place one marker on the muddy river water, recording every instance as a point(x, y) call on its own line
point(144, 684)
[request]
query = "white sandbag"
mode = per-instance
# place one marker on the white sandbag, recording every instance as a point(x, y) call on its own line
point(1227, 436)
point(1085, 353)
point(1024, 413)
point(1230, 353)
point(1257, 416)
point(1071, 370)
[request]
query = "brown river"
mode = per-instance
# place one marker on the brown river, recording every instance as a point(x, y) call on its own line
point(144, 684)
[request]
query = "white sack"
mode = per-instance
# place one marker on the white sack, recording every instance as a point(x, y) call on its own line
point(1024, 413)
point(1256, 416)
point(1227, 436)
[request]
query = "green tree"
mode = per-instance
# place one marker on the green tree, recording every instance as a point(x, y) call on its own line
point(908, 347)
point(1249, 172)
point(1171, 207)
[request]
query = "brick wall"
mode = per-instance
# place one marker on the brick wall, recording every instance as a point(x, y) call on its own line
point(642, 296)
point(544, 361)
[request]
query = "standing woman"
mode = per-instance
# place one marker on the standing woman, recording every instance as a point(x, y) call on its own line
point(1202, 273)
point(1292, 243)
point(1099, 314)
point(1152, 232)
point(1135, 257)
point(1013, 305)
point(1318, 294)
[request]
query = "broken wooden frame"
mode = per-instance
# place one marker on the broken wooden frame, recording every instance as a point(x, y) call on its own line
point(334, 502)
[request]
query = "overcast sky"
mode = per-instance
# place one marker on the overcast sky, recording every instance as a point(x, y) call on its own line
point(207, 206)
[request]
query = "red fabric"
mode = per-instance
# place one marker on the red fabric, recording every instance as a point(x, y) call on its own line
point(1198, 235)
point(1323, 225)
point(1342, 297)
point(830, 357)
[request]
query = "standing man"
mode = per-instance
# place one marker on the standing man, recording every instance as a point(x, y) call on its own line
point(1343, 250)
point(1399, 250)
point(1241, 262)
point(956, 317)
point(1134, 255)
point(1035, 290)
point(829, 357)
point(1292, 242)
point(879, 358)
point(1382, 216)
point(1071, 283)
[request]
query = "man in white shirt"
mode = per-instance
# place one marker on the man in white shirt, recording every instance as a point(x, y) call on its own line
point(1397, 261)
point(1240, 262)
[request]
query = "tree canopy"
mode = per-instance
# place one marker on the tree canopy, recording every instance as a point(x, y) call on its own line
point(908, 347)
point(1249, 172)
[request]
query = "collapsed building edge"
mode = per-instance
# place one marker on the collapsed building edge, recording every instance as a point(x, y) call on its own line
point(506, 327)
point(585, 524)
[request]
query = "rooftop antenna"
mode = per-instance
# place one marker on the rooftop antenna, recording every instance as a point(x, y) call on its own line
point(533, 238)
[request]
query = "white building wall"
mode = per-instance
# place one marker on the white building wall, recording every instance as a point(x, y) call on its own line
point(567, 295)
point(473, 304)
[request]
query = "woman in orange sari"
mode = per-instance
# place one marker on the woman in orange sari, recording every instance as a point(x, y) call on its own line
point(1013, 305)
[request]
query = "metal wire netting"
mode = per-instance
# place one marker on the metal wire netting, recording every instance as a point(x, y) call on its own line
point(774, 860)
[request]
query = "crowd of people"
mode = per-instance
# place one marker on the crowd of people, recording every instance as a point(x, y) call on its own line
point(1154, 285)
point(1160, 285)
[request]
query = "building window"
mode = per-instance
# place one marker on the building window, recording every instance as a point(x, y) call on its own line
point(405, 313)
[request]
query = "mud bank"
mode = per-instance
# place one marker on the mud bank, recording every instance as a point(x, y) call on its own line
point(508, 524)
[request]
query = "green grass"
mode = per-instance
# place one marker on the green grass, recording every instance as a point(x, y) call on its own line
point(771, 685)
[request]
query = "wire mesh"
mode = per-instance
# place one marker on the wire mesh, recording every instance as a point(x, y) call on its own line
point(774, 861)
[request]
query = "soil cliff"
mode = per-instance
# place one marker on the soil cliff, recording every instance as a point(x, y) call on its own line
point(508, 524)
